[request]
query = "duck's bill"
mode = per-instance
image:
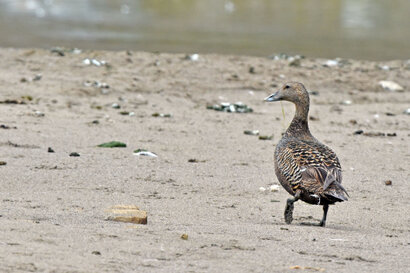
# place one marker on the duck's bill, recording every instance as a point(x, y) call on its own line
point(274, 97)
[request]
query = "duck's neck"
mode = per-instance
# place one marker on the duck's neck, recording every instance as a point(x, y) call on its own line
point(299, 126)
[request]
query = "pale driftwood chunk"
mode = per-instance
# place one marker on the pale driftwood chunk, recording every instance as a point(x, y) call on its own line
point(127, 214)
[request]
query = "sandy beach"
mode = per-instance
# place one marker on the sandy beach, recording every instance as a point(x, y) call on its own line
point(209, 180)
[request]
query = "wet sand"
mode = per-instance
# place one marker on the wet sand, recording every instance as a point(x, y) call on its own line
point(53, 206)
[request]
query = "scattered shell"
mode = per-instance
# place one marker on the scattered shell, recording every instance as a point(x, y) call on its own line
point(251, 132)
point(262, 189)
point(184, 236)
point(115, 106)
point(346, 102)
point(37, 77)
point(192, 57)
point(141, 152)
point(283, 56)
point(161, 115)
point(391, 86)
point(274, 188)
point(384, 67)
point(60, 51)
point(238, 107)
point(331, 63)
point(113, 144)
point(265, 137)
point(388, 182)
point(12, 101)
point(293, 61)
point(39, 114)
point(94, 62)
point(96, 84)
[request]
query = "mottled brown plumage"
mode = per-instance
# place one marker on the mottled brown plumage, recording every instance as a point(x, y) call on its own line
point(306, 168)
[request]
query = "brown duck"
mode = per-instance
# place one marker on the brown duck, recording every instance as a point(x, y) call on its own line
point(307, 169)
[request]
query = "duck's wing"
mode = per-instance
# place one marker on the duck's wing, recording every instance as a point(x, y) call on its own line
point(313, 167)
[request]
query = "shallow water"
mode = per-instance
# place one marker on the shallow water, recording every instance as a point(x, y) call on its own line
point(363, 29)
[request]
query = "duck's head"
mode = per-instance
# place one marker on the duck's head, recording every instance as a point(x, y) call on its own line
point(292, 91)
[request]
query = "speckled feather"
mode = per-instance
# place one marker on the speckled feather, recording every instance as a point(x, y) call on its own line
point(310, 166)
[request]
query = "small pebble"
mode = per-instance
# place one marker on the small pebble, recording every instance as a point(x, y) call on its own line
point(346, 102)
point(2, 163)
point(96, 253)
point(184, 236)
point(358, 132)
point(39, 114)
point(37, 77)
point(388, 182)
point(74, 154)
point(262, 189)
point(265, 137)
point(50, 150)
point(251, 132)
point(407, 111)
point(115, 106)
point(274, 188)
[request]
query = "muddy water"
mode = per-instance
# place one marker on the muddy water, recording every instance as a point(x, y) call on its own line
point(365, 29)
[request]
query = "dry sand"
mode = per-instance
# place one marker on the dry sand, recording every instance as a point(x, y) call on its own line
point(53, 205)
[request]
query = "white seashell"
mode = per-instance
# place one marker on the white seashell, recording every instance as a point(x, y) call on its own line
point(391, 86)
point(274, 188)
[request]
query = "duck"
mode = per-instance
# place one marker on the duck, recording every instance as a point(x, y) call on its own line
point(306, 168)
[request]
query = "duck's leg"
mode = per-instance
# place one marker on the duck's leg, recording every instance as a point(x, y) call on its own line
point(289, 207)
point(325, 209)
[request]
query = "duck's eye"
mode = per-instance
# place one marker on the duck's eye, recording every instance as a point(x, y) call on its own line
point(287, 86)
